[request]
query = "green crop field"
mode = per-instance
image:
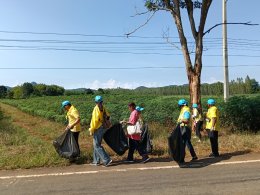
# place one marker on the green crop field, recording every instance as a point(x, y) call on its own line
point(159, 109)
point(34, 135)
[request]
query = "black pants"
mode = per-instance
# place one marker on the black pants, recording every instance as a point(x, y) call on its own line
point(213, 136)
point(134, 145)
point(198, 129)
point(76, 136)
point(187, 142)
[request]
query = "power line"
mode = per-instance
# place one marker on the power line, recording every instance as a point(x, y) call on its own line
point(109, 36)
point(211, 43)
point(111, 52)
point(116, 68)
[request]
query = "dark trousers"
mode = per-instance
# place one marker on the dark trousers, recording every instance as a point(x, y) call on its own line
point(134, 145)
point(198, 129)
point(213, 136)
point(186, 137)
point(187, 142)
point(76, 136)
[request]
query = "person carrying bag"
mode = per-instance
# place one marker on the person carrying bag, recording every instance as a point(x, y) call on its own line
point(134, 133)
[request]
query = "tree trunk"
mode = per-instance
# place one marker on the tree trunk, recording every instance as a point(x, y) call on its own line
point(194, 87)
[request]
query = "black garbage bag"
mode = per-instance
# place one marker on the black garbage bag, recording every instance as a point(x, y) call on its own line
point(66, 145)
point(146, 142)
point(176, 146)
point(116, 139)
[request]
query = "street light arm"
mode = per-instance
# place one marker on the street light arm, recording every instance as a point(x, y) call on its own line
point(241, 23)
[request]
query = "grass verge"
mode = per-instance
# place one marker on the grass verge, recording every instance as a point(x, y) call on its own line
point(26, 142)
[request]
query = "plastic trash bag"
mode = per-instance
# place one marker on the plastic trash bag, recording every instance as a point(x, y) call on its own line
point(146, 142)
point(176, 146)
point(116, 139)
point(66, 145)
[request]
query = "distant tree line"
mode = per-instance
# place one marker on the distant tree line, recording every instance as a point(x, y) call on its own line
point(84, 91)
point(238, 86)
point(27, 90)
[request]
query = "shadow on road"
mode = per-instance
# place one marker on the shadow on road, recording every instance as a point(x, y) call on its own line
point(200, 163)
point(209, 161)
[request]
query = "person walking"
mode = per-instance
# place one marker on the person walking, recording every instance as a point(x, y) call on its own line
point(212, 126)
point(197, 121)
point(98, 130)
point(184, 122)
point(134, 139)
point(73, 118)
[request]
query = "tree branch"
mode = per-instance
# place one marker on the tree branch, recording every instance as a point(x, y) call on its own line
point(140, 13)
point(166, 37)
point(146, 22)
point(203, 16)
point(242, 23)
point(189, 5)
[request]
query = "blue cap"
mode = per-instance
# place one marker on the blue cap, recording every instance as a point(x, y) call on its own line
point(65, 103)
point(98, 99)
point(138, 108)
point(211, 101)
point(182, 102)
point(194, 105)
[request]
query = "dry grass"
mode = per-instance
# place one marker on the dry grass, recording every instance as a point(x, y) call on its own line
point(26, 141)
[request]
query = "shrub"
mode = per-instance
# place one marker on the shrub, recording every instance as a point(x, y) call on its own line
point(242, 113)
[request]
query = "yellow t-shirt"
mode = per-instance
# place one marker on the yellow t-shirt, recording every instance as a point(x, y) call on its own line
point(181, 116)
point(97, 118)
point(212, 113)
point(72, 116)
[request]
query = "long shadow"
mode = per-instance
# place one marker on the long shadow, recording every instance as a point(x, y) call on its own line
point(200, 163)
point(204, 162)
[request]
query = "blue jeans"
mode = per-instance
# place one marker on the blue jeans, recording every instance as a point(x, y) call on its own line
point(99, 153)
point(186, 142)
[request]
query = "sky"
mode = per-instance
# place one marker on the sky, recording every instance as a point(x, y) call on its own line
point(83, 44)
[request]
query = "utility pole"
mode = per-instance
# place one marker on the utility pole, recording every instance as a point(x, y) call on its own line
point(225, 50)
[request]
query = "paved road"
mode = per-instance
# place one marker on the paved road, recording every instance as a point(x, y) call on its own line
point(219, 176)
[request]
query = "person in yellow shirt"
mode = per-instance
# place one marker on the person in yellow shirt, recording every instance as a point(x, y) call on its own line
point(212, 126)
point(184, 122)
point(98, 130)
point(73, 120)
point(197, 120)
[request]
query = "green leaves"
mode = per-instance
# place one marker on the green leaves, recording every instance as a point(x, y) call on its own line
point(153, 5)
point(242, 113)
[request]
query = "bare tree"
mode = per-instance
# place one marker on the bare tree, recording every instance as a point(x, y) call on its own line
point(174, 8)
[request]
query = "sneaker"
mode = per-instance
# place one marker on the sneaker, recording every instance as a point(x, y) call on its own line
point(214, 155)
point(129, 161)
point(211, 155)
point(194, 158)
point(145, 159)
point(108, 163)
point(94, 164)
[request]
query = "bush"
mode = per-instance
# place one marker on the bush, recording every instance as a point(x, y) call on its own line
point(242, 113)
